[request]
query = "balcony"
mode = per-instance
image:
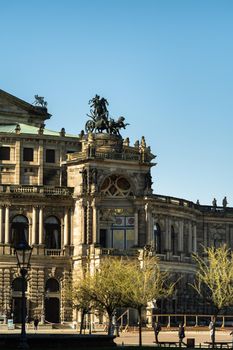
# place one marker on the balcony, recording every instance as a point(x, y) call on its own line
point(53, 252)
point(116, 252)
point(46, 190)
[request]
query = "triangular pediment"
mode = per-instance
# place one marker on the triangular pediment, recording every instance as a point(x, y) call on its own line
point(13, 109)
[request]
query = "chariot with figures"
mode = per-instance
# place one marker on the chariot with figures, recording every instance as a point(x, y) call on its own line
point(100, 120)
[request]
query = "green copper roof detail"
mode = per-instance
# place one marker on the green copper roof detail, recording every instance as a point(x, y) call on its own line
point(29, 129)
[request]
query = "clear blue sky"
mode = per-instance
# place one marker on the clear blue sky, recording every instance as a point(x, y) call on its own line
point(167, 66)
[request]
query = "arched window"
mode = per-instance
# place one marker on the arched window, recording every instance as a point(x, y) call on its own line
point(17, 284)
point(157, 239)
point(52, 233)
point(52, 285)
point(116, 186)
point(19, 229)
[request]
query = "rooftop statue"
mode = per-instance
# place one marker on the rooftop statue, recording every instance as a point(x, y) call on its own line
point(39, 101)
point(100, 120)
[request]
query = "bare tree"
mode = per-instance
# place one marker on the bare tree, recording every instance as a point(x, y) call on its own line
point(214, 278)
point(146, 282)
point(80, 299)
point(105, 288)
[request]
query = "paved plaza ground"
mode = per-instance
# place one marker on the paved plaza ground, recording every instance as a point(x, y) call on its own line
point(148, 337)
point(131, 338)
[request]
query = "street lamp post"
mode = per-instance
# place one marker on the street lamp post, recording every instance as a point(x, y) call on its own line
point(23, 254)
point(45, 295)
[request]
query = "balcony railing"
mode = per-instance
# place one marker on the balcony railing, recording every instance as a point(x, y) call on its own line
point(128, 156)
point(188, 204)
point(118, 252)
point(47, 190)
point(53, 252)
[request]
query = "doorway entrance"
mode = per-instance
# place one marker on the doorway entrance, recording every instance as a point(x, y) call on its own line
point(52, 310)
point(17, 309)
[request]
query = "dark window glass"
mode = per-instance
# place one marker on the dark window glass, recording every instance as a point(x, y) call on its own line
point(157, 239)
point(50, 156)
point(103, 237)
point(17, 284)
point(4, 153)
point(52, 233)
point(52, 285)
point(173, 241)
point(28, 154)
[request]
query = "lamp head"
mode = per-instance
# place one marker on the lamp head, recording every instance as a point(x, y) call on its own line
point(23, 253)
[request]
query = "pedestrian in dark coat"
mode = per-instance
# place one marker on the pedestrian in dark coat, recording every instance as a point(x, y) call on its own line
point(157, 329)
point(181, 334)
point(36, 322)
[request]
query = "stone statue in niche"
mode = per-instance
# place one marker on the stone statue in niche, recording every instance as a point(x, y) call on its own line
point(148, 181)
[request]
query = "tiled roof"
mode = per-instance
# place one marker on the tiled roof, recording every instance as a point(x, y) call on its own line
point(29, 129)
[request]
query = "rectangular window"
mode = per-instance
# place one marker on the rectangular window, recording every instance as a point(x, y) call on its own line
point(118, 239)
point(103, 238)
point(4, 153)
point(50, 156)
point(28, 154)
point(129, 239)
point(123, 235)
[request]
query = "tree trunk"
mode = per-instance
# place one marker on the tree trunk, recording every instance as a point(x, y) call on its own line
point(140, 325)
point(82, 321)
point(110, 324)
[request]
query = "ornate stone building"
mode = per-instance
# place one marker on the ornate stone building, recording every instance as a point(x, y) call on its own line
point(78, 198)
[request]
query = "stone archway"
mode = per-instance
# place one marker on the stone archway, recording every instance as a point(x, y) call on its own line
point(52, 228)
point(19, 229)
point(17, 299)
point(52, 301)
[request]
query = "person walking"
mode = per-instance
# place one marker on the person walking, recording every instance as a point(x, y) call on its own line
point(157, 329)
point(181, 334)
point(36, 322)
point(212, 330)
point(232, 338)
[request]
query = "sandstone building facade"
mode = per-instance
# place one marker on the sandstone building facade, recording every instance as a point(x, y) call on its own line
point(79, 198)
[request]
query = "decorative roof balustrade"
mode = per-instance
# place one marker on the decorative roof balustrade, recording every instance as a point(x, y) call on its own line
point(189, 204)
point(127, 156)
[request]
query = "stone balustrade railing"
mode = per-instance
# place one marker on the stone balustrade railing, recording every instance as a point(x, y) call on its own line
point(189, 204)
point(53, 252)
point(49, 190)
point(117, 252)
point(128, 156)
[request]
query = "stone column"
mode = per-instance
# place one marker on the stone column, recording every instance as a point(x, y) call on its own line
point(1, 233)
point(136, 227)
point(190, 238)
point(34, 225)
point(78, 223)
point(95, 226)
point(7, 233)
point(205, 238)
point(41, 226)
point(40, 163)
point(168, 235)
point(195, 238)
point(17, 162)
point(71, 226)
point(66, 228)
point(148, 224)
point(181, 237)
